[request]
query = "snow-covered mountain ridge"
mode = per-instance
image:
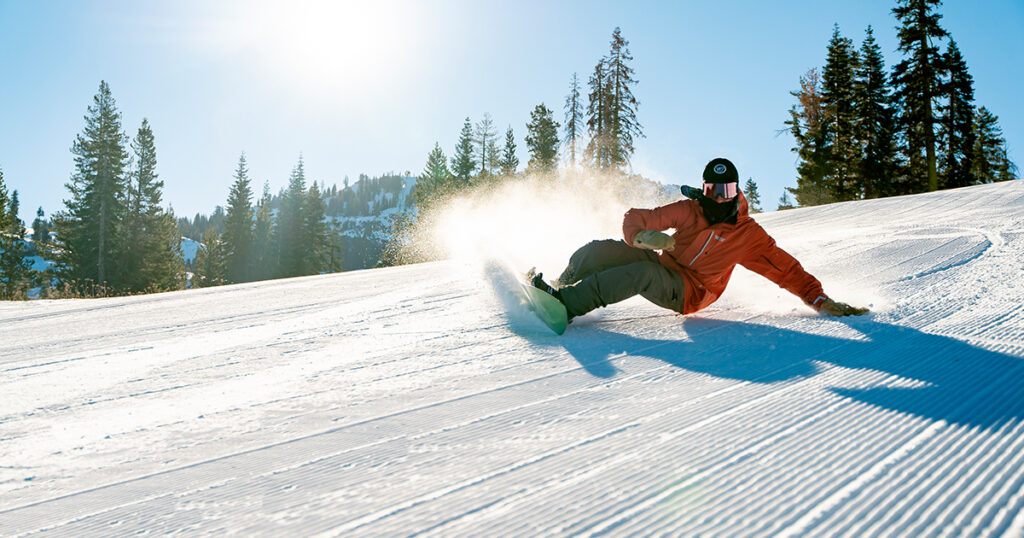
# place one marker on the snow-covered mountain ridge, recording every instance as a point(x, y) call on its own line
point(422, 399)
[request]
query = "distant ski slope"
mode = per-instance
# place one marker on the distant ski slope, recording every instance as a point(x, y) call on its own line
point(419, 399)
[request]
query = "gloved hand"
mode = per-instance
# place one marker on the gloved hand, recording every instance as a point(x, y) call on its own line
point(834, 308)
point(654, 240)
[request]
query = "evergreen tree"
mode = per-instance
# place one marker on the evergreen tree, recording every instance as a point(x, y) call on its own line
point(238, 226)
point(917, 87)
point(315, 232)
point(13, 266)
point(874, 122)
point(211, 261)
point(991, 162)
point(335, 247)
point(785, 202)
point(509, 161)
point(599, 147)
point(957, 128)
point(290, 224)
point(151, 258)
point(573, 120)
point(837, 93)
point(486, 152)
point(87, 229)
point(810, 131)
point(463, 164)
point(435, 183)
point(623, 126)
point(40, 228)
point(542, 140)
point(753, 197)
point(263, 260)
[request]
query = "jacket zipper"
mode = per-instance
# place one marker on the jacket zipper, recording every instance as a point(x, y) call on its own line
point(710, 237)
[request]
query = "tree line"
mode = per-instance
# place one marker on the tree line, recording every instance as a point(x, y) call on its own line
point(599, 134)
point(862, 132)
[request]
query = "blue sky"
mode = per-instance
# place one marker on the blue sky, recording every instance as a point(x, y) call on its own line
point(369, 87)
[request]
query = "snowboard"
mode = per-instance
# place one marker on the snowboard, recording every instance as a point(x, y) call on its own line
point(550, 310)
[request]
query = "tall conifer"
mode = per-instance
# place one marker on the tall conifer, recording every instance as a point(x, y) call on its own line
point(314, 232)
point(509, 161)
point(290, 224)
point(956, 130)
point(991, 162)
point(263, 259)
point(13, 266)
point(752, 195)
point(810, 131)
point(573, 120)
point(87, 229)
point(486, 149)
point(874, 122)
point(151, 242)
point(837, 92)
point(542, 140)
point(917, 84)
point(435, 183)
point(463, 164)
point(623, 126)
point(238, 226)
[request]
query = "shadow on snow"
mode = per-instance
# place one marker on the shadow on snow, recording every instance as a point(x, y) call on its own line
point(949, 379)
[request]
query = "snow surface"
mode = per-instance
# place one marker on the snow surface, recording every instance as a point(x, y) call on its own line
point(423, 399)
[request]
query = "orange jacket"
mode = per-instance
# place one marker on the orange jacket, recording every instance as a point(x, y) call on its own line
point(706, 254)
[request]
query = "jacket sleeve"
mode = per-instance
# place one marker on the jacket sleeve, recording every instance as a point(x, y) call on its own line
point(767, 259)
point(675, 215)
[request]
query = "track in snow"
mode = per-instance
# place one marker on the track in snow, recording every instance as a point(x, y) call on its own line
point(415, 400)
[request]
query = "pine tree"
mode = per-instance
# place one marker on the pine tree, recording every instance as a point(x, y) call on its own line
point(837, 93)
point(87, 229)
point(573, 120)
point(542, 140)
point(13, 266)
point(463, 164)
point(486, 151)
point(263, 261)
point(238, 226)
point(753, 197)
point(290, 224)
point(150, 252)
point(991, 162)
point(435, 183)
point(599, 147)
point(874, 122)
point(785, 202)
point(956, 131)
point(509, 161)
point(210, 261)
point(40, 228)
point(623, 126)
point(917, 87)
point(810, 131)
point(315, 231)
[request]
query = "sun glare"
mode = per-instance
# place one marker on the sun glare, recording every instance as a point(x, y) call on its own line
point(321, 47)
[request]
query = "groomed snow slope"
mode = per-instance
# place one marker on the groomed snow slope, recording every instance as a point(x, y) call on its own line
point(418, 399)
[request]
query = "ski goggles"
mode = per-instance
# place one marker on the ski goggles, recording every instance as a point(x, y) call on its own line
point(725, 190)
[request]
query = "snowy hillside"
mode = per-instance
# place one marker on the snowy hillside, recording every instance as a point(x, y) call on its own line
point(421, 399)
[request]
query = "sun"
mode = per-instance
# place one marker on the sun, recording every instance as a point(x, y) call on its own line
point(320, 46)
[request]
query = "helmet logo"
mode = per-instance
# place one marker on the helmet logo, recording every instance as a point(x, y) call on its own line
point(719, 169)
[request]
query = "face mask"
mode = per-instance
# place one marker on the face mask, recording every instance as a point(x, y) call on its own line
point(719, 212)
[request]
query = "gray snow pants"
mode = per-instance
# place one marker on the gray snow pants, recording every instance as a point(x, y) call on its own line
point(608, 271)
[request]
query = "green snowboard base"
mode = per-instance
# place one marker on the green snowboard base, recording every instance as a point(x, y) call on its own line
point(550, 310)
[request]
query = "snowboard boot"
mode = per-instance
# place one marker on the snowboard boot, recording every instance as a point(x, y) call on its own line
point(537, 279)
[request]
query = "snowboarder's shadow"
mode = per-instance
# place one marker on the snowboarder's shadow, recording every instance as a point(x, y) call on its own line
point(902, 369)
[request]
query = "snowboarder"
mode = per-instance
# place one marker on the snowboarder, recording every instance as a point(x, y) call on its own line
point(713, 233)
